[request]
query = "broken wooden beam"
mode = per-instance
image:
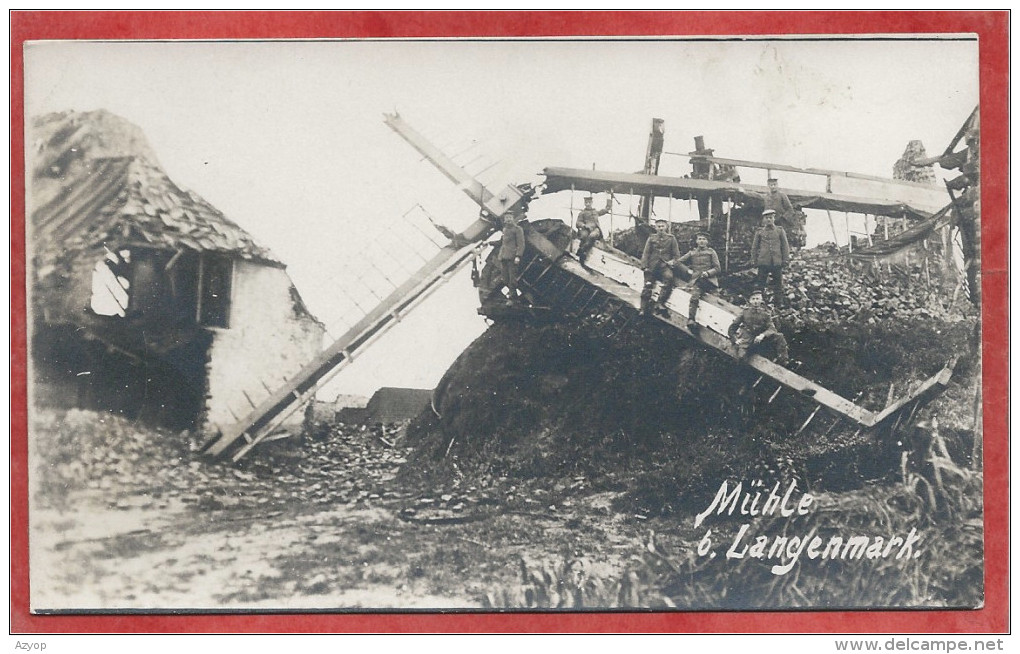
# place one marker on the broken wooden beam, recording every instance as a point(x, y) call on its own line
point(714, 317)
point(886, 203)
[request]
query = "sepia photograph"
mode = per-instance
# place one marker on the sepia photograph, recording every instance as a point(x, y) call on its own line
point(504, 325)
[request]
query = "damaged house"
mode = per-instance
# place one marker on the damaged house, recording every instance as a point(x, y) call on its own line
point(145, 299)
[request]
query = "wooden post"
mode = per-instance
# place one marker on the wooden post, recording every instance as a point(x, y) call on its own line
point(729, 212)
point(711, 170)
point(832, 224)
point(572, 223)
point(198, 304)
point(849, 238)
point(611, 237)
point(573, 219)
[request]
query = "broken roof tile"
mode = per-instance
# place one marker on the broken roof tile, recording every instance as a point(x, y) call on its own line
point(138, 193)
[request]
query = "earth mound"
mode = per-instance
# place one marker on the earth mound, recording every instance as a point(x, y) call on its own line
point(652, 414)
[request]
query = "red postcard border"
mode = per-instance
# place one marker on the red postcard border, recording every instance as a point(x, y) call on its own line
point(991, 28)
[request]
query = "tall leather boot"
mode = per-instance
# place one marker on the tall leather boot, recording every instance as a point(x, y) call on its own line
point(778, 297)
point(692, 313)
point(665, 293)
point(582, 255)
point(646, 299)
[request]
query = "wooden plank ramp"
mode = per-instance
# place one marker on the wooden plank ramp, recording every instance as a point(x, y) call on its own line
point(620, 275)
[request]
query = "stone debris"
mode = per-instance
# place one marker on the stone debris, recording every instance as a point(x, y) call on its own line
point(838, 291)
point(131, 466)
point(907, 169)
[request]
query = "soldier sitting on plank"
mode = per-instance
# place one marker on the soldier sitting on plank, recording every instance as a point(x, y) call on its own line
point(657, 261)
point(753, 327)
point(588, 229)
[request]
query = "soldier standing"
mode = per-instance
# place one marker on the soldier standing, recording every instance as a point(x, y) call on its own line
point(778, 202)
point(702, 265)
point(770, 252)
point(786, 216)
point(588, 229)
point(657, 261)
point(511, 249)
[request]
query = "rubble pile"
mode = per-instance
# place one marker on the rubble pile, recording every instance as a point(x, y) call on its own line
point(839, 291)
point(129, 465)
point(94, 450)
point(907, 169)
point(823, 286)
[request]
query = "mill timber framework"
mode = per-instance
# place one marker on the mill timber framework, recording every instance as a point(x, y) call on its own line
point(608, 287)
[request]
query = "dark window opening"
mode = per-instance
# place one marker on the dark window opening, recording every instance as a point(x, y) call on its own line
point(215, 281)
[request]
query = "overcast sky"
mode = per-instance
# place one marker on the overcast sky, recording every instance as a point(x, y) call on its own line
point(288, 139)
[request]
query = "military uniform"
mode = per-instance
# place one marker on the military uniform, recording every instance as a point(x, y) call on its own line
point(787, 217)
point(661, 252)
point(755, 321)
point(780, 203)
point(702, 264)
point(511, 249)
point(588, 230)
point(770, 251)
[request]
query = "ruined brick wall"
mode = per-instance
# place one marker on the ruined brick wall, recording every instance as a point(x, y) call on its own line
point(904, 168)
point(269, 339)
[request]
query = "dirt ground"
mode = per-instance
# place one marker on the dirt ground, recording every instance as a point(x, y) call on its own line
point(127, 518)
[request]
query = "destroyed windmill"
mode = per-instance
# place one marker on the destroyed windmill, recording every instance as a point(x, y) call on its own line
point(608, 290)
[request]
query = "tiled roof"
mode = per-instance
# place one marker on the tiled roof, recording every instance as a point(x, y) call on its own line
point(121, 200)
